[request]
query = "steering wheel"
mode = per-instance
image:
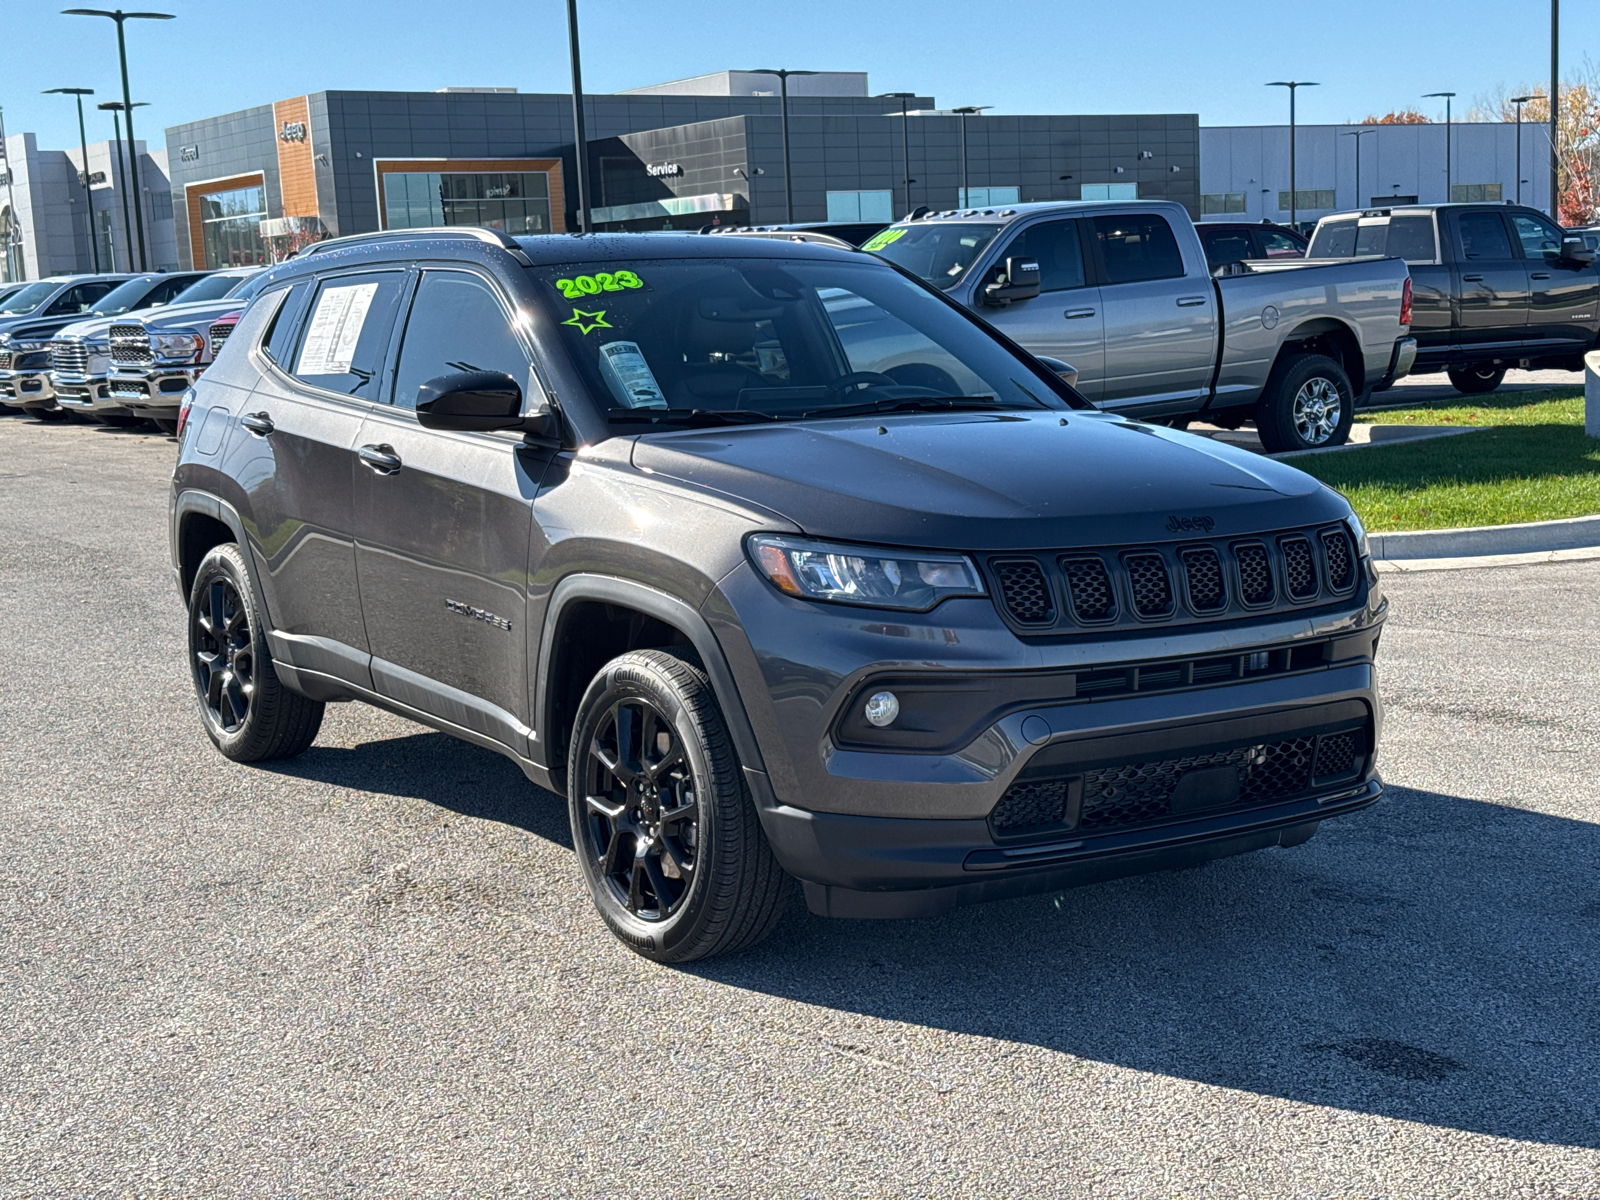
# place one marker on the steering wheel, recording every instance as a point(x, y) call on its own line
point(856, 378)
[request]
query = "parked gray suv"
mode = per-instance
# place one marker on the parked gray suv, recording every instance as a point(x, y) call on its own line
point(683, 527)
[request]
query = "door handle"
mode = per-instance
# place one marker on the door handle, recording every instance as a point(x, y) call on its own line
point(381, 459)
point(259, 423)
point(1540, 275)
point(1472, 279)
point(1190, 301)
point(1072, 314)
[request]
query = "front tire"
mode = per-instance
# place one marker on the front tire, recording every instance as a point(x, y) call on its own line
point(50, 416)
point(1309, 404)
point(1474, 381)
point(244, 706)
point(669, 841)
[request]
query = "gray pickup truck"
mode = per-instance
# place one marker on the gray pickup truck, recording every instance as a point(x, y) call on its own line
point(1122, 292)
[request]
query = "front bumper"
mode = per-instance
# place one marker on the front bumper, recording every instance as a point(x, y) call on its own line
point(30, 388)
point(84, 393)
point(153, 390)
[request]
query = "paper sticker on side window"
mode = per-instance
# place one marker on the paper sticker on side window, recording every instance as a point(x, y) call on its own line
point(335, 329)
point(629, 377)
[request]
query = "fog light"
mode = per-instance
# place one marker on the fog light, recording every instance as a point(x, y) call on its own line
point(882, 708)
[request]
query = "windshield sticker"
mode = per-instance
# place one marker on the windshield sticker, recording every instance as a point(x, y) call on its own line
point(879, 240)
point(600, 281)
point(629, 377)
point(587, 322)
point(335, 330)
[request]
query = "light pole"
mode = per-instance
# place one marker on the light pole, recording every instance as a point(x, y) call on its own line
point(127, 99)
point(114, 107)
point(1555, 108)
point(83, 142)
point(13, 233)
point(1448, 177)
point(1292, 85)
point(580, 136)
point(905, 137)
point(783, 117)
point(1519, 101)
point(965, 111)
point(1358, 134)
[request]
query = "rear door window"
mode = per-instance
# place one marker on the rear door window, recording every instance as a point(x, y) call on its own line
point(346, 333)
point(1138, 247)
point(1483, 236)
point(1334, 239)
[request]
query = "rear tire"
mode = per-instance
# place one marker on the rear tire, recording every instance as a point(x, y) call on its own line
point(670, 844)
point(1308, 404)
point(244, 706)
point(166, 425)
point(1474, 381)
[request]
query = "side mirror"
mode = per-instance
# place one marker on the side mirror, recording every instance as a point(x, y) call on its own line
point(1065, 371)
point(1575, 249)
point(475, 401)
point(1020, 282)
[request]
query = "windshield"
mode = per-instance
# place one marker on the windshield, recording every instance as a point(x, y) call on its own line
point(246, 288)
point(128, 296)
point(29, 298)
point(941, 253)
point(212, 287)
point(734, 340)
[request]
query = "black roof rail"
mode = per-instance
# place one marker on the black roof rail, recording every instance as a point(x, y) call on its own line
point(493, 237)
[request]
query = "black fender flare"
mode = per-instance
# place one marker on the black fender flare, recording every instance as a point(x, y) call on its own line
point(192, 501)
point(610, 589)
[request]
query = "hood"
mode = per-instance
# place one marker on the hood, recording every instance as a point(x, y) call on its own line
point(186, 316)
point(96, 328)
point(37, 329)
point(994, 481)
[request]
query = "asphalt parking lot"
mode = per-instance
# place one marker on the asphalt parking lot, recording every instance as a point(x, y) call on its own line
point(373, 970)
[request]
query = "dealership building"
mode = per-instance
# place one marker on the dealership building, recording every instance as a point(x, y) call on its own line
point(251, 186)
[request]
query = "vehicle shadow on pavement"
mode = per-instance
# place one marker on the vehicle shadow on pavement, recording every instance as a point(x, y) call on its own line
point(441, 770)
point(1433, 959)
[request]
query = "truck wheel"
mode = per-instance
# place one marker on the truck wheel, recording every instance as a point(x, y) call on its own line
point(1476, 380)
point(1308, 404)
point(244, 707)
point(668, 838)
point(166, 425)
point(50, 415)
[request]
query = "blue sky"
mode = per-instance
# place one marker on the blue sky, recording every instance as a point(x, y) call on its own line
point(1021, 56)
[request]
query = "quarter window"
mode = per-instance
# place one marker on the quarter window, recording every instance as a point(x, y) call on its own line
point(347, 333)
point(457, 323)
point(279, 343)
point(1135, 248)
point(1055, 244)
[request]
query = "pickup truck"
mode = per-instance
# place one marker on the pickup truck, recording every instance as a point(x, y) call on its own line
point(1494, 285)
point(29, 318)
point(1122, 292)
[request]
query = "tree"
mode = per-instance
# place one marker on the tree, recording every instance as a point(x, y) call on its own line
point(1399, 116)
point(1577, 125)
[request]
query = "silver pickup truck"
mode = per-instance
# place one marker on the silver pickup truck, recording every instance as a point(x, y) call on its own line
point(1122, 292)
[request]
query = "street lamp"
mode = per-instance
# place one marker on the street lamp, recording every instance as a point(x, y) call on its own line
point(114, 107)
point(127, 99)
point(1555, 106)
point(905, 136)
point(1448, 179)
point(1292, 84)
point(13, 232)
point(1358, 134)
point(783, 112)
point(579, 136)
point(965, 111)
point(83, 142)
point(1519, 101)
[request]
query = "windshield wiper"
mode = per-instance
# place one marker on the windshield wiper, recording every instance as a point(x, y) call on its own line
point(911, 404)
point(688, 416)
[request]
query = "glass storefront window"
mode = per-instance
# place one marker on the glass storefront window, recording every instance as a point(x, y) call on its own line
point(515, 201)
point(230, 224)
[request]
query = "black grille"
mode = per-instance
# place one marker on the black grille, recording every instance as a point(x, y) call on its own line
point(1340, 754)
point(1203, 572)
point(69, 357)
point(1089, 586)
point(218, 334)
point(1255, 573)
point(1152, 590)
point(1025, 590)
point(1280, 769)
point(1300, 568)
point(130, 344)
point(1031, 804)
point(1341, 562)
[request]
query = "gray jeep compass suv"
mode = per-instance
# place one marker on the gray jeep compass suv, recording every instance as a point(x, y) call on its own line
point(780, 565)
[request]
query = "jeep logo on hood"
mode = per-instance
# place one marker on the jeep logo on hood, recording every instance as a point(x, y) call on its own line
point(1190, 524)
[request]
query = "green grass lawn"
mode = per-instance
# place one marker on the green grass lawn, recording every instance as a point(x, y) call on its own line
point(1531, 462)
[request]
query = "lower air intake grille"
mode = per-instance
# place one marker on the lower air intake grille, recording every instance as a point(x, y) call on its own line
point(1026, 593)
point(1341, 562)
point(1152, 590)
point(1340, 754)
point(1255, 573)
point(1030, 804)
point(1203, 572)
point(1301, 568)
point(1089, 585)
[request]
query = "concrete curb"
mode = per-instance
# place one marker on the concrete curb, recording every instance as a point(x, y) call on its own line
point(1407, 566)
point(1535, 537)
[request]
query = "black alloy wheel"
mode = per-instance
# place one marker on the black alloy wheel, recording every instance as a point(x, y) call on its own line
point(641, 828)
point(1475, 381)
point(224, 655)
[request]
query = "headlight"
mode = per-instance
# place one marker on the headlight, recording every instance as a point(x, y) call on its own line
point(876, 576)
point(1359, 532)
point(176, 345)
point(28, 347)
